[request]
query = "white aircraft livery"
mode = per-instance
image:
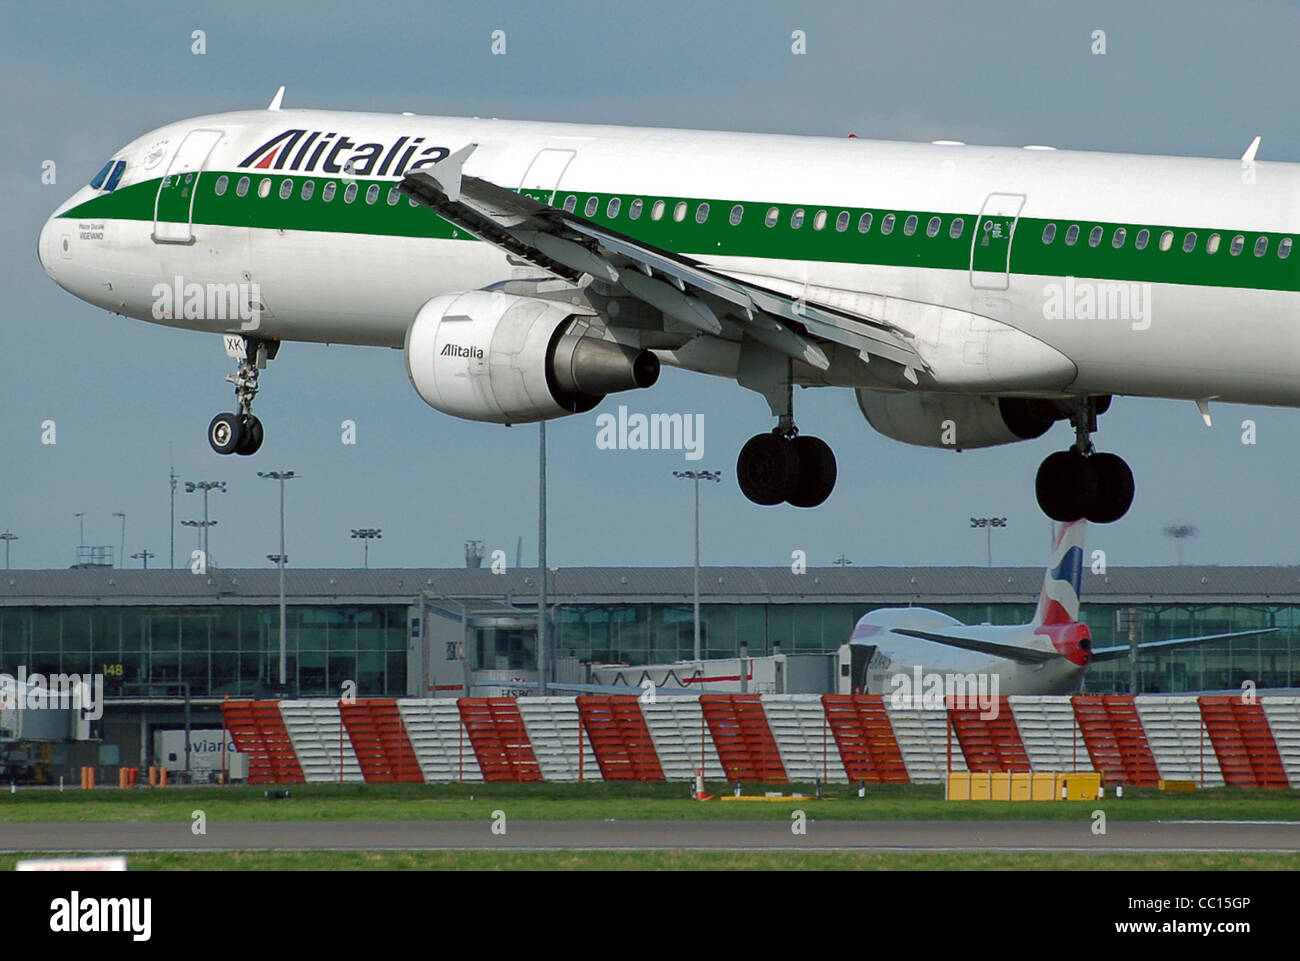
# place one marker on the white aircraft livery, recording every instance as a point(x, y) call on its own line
point(970, 296)
point(905, 650)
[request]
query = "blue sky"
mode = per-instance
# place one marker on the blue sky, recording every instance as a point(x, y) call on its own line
point(79, 80)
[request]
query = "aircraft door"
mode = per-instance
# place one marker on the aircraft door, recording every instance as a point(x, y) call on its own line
point(990, 254)
point(542, 178)
point(174, 206)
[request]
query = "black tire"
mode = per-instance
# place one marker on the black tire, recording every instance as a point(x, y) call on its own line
point(1066, 486)
point(253, 435)
point(1114, 489)
point(767, 469)
point(225, 433)
point(817, 472)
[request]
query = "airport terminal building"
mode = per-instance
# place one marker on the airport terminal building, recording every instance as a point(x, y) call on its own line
point(161, 637)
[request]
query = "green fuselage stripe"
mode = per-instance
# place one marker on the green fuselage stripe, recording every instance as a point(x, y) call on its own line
point(751, 237)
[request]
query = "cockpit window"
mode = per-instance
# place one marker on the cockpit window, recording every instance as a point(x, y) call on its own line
point(113, 178)
point(97, 181)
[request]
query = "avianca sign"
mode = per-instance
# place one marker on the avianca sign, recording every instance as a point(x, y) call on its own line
point(312, 151)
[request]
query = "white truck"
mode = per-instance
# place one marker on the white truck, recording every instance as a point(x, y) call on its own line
point(205, 752)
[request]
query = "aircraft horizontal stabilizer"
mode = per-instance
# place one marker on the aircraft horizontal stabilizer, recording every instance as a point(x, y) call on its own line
point(1121, 650)
point(1021, 655)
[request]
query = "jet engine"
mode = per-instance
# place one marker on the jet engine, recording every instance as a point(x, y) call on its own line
point(956, 421)
point(489, 356)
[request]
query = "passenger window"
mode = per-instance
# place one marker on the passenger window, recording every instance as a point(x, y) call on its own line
point(372, 193)
point(241, 188)
point(1189, 242)
point(612, 208)
point(773, 215)
point(412, 201)
point(1238, 245)
point(796, 218)
point(1166, 240)
point(657, 211)
point(819, 220)
point(1094, 236)
point(286, 189)
point(327, 192)
point(1261, 246)
point(887, 225)
point(1049, 233)
point(932, 228)
point(1143, 238)
point(222, 182)
point(593, 204)
point(350, 194)
point(264, 188)
point(909, 225)
point(394, 195)
point(737, 212)
point(570, 203)
point(864, 223)
point(701, 213)
point(679, 211)
point(1212, 244)
point(1284, 248)
point(958, 225)
point(308, 188)
point(1117, 239)
point(842, 222)
point(97, 181)
point(1072, 235)
point(634, 211)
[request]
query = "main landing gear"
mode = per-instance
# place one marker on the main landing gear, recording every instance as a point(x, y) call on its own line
point(786, 466)
point(241, 432)
point(1080, 482)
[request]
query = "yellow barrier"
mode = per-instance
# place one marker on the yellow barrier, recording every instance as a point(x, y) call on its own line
point(1024, 786)
point(1177, 785)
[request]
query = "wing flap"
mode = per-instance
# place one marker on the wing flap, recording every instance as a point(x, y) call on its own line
point(571, 247)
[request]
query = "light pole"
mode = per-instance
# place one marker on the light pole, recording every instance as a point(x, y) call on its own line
point(8, 537)
point(204, 486)
point(171, 530)
point(81, 528)
point(144, 556)
point(543, 583)
point(1180, 533)
point(988, 523)
point(281, 560)
point(696, 476)
point(366, 535)
point(121, 549)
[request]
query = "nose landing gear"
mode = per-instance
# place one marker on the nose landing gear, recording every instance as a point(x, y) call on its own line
point(241, 432)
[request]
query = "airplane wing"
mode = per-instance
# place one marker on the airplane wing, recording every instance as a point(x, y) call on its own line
point(707, 300)
point(1021, 655)
point(1121, 650)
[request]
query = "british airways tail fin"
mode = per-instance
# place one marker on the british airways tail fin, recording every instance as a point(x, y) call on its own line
point(1059, 601)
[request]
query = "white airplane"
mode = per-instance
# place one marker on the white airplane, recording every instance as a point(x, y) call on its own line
point(971, 296)
point(900, 648)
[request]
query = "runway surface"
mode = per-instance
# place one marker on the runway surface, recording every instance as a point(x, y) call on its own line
point(946, 836)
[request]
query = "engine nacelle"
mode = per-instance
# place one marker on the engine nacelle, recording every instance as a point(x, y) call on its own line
point(485, 355)
point(956, 421)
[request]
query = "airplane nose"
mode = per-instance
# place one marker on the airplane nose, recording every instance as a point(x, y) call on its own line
point(43, 245)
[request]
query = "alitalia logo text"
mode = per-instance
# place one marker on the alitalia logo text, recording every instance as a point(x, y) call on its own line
point(456, 350)
point(330, 152)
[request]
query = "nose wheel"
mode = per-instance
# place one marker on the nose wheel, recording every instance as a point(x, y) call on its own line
point(241, 432)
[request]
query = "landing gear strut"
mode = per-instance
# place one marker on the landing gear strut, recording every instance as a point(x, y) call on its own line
point(1081, 482)
point(241, 432)
point(786, 466)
